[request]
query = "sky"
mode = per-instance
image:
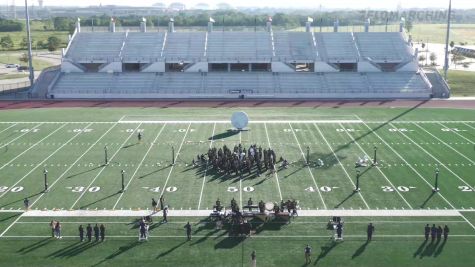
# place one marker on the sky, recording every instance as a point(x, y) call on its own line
point(357, 4)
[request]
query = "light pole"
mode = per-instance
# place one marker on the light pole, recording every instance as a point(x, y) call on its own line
point(106, 160)
point(436, 186)
point(45, 173)
point(375, 162)
point(28, 36)
point(357, 188)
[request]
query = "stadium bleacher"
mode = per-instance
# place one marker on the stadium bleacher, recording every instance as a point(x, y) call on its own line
point(226, 64)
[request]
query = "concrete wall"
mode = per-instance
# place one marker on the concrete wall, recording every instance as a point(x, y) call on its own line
point(281, 67)
point(411, 66)
point(111, 67)
point(70, 67)
point(321, 66)
point(364, 66)
point(154, 67)
point(198, 67)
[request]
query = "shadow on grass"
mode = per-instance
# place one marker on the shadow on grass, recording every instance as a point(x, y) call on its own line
point(229, 242)
point(427, 200)
point(224, 135)
point(34, 246)
point(20, 200)
point(430, 249)
point(360, 250)
point(148, 174)
point(163, 254)
point(119, 251)
point(344, 200)
point(73, 249)
point(130, 145)
point(97, 201)
point(90, 170)
point(10, 217)
point(420, 249)
point(440, 248)
point(325, 250)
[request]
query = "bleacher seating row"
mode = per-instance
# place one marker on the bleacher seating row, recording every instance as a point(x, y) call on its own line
point(221, 46)
point(224, 84)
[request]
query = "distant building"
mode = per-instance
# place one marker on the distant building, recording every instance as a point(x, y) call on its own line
point(177, 6)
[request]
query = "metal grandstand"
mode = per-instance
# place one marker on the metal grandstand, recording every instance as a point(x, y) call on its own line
point(221, 64)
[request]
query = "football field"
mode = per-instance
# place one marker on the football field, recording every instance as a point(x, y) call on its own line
point(67, 149)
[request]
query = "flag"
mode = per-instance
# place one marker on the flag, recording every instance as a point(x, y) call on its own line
point(211, 20)
point(309, 19)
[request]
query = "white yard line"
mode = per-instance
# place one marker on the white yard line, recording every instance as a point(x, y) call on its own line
point(206, 169)
point(275, 173)
point(466, 124)
point(341, 165)
point(468, 140)
point(449, 146)
point(377, 167)
point(440, 163)
point(21, 135)
point(138, 166)
point(176, 157)
point(74, 163)
point(32, 146)
point(415, 171)
point(8, 127)
point(110, 160)
point(308, 168)
point(228, 122)
point(11, 225)
point(41, 163)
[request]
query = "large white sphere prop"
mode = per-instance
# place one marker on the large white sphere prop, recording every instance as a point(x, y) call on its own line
point(239, 120)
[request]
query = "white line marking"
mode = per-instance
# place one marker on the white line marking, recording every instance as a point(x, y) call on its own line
point(443, 165)
point(8, 127)
point(11, 141)
point(10, 226)
point(468, 140)
point(41, 163)
point(176, 157)
point(74, 163)
point(308, 168)
point(228, 122)
point(449, 146)
point(32, 146)
point(466, 124)
point(341, 165)
point(110, 160)
point(275, 173)
point(377, 167)
point(413, 169)
point(139, 165)
point(206, 169)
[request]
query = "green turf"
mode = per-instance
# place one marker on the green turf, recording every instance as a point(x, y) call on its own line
point(38, 64)
point(411, 144)
point(462, 83)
